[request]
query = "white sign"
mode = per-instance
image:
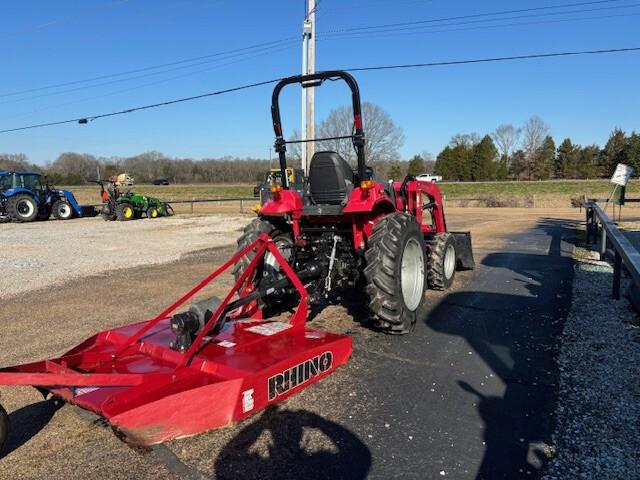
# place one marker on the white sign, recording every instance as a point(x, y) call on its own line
point(247, 401)
point(622, 174)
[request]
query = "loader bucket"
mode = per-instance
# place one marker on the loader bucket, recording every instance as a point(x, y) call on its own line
point(150, 392)
point(464, 251)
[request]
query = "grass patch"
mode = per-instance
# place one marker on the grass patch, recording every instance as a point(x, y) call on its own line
point(551, 193)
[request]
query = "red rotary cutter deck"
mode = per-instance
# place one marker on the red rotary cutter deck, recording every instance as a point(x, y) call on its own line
point(150, 391)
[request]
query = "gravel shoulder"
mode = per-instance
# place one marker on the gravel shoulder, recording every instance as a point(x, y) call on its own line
point(45, 254)
point(598, 411)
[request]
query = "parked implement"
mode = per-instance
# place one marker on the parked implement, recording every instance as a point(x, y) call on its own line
point(121, 204)
point(26, 196)
point(391, 238)
point(182, 374)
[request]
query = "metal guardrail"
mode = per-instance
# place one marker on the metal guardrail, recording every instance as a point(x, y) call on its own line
point(599, 224)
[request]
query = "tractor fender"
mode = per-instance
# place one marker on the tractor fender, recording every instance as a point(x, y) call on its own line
point(11, 192)
point(70, 197)
point(281, 203)
point(368, 201)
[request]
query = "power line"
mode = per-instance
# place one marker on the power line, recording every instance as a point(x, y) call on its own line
point(479, 27)
point(494, 59)
point(148, 84)
point(462, 17)
point(34, 28)
point(415, 26)
point(152, 67)
point(87, 119)
point(247, 54)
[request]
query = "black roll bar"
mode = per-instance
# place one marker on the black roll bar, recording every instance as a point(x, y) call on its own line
point(316, 79)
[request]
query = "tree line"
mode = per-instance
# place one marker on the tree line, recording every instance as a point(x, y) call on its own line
point(530, 153)
point(525, 153)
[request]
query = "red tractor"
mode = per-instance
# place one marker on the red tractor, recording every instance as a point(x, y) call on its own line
point(348, 229)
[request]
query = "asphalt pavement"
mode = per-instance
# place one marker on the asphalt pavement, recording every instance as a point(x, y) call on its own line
point(468, 395)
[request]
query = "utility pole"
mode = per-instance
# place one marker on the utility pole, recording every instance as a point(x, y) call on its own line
point(311, 68)
point(308, 66)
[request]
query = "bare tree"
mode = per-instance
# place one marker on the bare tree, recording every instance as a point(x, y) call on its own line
point(506, 138)
point(466, 140)
point(383, 138)
point(535, 130)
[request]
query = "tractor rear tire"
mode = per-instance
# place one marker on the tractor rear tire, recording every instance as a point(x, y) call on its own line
point(125, 212)
point(442, 261)
point(62, 210)
point(22, 208)
point(251, 233)
point(153, 212)
point(395, 273)
point(269, 270)
point(4, 429)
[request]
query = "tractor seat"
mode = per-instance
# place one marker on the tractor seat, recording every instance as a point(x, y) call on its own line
point(330, 179)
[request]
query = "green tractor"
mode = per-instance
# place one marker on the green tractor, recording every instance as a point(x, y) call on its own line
point(121, 204)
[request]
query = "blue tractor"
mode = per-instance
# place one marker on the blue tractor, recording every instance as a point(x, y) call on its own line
point(26, 196)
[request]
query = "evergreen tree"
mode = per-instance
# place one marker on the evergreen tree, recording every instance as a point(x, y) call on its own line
point(588, 165)
point(416, 165)
point(483, 160)
point(502, 168)
point(567, 159)
point(394, 172)
point(518, 166)
point(632, 152)
point(545, 157)
point(444, 164)
point(614, 150)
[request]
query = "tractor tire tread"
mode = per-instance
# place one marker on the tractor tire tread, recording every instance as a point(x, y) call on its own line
point(435, 263)
point(56, 213)
point(250, 234)
point(12, 208)
point(382, 287)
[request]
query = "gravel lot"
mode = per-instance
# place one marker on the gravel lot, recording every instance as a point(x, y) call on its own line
point(63, 251)
point(598, 410)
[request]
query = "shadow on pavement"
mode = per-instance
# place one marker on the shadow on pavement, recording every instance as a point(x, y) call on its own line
point(26, 422)
point(293, 444)
point(513, 321)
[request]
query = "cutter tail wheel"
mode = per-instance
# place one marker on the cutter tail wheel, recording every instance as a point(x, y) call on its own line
point(443, 261)
point(395, 273)
point(4, 430)
point(125, 212)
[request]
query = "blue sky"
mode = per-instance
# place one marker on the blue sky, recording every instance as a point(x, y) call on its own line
point(44, 43)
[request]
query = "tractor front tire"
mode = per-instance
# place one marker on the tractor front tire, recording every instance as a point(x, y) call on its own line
point(4, 429)
point(22, 208)
point(442, 261)
point(395, 273)
point(62, 210)
point(153, 212)
point(125, 212)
